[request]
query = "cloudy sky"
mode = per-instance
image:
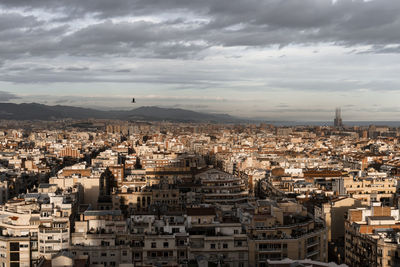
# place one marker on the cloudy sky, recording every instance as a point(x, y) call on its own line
point(272, 59)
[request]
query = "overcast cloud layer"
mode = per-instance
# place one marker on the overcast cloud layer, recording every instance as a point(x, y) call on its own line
point(275, 59)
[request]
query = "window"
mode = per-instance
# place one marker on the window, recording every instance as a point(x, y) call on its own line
point(225, 245)
point(105, 243)
point(124, 253)
point(212, 246)
point(14, 256)
point(165, 244)
point(14, 246)
point(104, 254)
point(153, 244)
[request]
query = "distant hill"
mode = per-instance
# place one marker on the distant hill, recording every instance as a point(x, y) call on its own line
point(34, 111)
point(176, 114)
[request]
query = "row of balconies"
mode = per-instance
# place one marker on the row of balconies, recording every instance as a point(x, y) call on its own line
point(49, 241)
point(52, 231)
point(310, 233)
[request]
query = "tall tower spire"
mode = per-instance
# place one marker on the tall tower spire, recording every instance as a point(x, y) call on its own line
point(338, 118)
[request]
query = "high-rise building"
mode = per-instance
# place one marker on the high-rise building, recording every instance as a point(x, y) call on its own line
point(338, 118)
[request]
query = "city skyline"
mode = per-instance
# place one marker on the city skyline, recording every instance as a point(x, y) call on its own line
point(183, 133)
point(141, 193)
point(258, 59)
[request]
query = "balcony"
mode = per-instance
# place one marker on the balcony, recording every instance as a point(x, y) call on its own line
point(54, 241)
point(49, 251)
point(298, 236)
point(312, 244)
point(53, 231)
point(270, 249)
point(312, 253)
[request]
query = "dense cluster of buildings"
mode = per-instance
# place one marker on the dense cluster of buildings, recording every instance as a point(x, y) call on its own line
point(103, 193)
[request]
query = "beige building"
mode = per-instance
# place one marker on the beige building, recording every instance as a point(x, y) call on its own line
point(216, 240)
point(222, 248)
point(148, 198)
point(102, 236)
point(372, 236)
point(218, 187)
point(90, 185)
point(66, 259)
point(333, 213)
point(283, 229)
point(367, 189)
point(15, 251)
point(160, 250)
point(44, 219)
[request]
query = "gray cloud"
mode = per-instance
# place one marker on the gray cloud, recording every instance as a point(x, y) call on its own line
point(216, 48)
point(337, 85)
point(188, 27)
point(295, 110)
point(12, 21)
point(76, 68)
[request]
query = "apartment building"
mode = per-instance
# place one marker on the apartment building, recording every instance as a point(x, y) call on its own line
point(221, 187)
point(15, 251)
point(367, 189)
point(102, 236)
point(284, 229)
point(333, 214)
point(372, 236)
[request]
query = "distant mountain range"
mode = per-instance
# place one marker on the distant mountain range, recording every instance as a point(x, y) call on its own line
point(34, 111)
